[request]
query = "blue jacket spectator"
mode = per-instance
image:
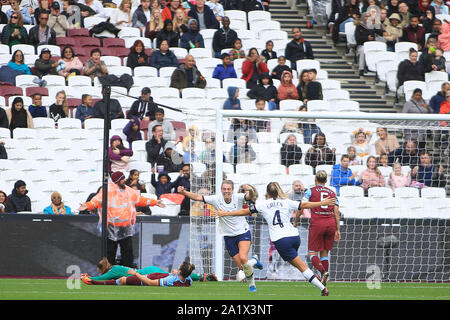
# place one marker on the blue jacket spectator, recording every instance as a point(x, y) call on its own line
point(192, 38)
point(36, 109)
point(232, 103)
point(342, 175)
point(85, 110)
point(224, 70)
point(163, 57)
point(15, 5)
point(438, 98)
point(163, 185)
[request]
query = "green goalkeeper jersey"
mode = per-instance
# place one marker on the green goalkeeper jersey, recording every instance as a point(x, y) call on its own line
point(117, 272)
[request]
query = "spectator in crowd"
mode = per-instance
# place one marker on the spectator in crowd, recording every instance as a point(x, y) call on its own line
point(393, 32)
point(410, 69)
point(427, 174)
point(427, 18)
point(187, 75)
point(298, 48)
point(303, 79)
point(360, 140)
point(435, 60)
point(155, 25)
point(445, 107)
point(192, 38)
point(261, 125)
point(95, 5)
point(122, 17)
point(239, 127)
point(43, 6)
point(132, 131)
point(14, 32)
point(155, 145)
point(59, 109)
point(44, 65)
point(397, 179)
point(290, 152)
point(320, 153)
point(119, 156)
point(280, 68)
point(224, 70)
point(36, 109)
point(143, 108)
point(69, 63)
point(265, 90)
point(205, 17)
point(308, 129)
point(137, 56)
point(392, 6)
point(383, 160)
point(217, 9)
point(439, 7)
point(170, 158)
point(141, 15)
point(242, 151)
point(180, 21)
point(371, 177)
point(251, 5)
point(236, 51)
point(223, 38)
point(3, 119)
point(163, 185)
point(18, 201)
point(134, 182)
point(428, 53)
point(353, 157)
point(386, 142)
point(3, 19)
point(342, 175)
point(208, 155)
point(252, 68)
point(17, 62)
point(287, 89)
point(184, 181)
point(312, 89)
point(407, 154)
point(94, 67)
point(405, 14)
point(268, 52)
point(115, 109)
point(18, 116)
point(163, 57)
point(347, 13)
point(85, 110)
point(416, 104)
point(191, 138)
point(436, 29)
point(363, 34)
point(57, 206)
point(42, 34)
point(57, 21)
point(414, 33)
point(298, 191)
point(15, 8)
point(233, 102)
point(167, 33)
point(168, 131)
point(3, 200)
point(444, 37)
point(168, 13)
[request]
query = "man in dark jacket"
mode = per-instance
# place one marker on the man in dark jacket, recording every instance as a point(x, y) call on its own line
point(184, 181)
point(139, 19)
point(42, 33)
point(187, 75)
point(298, 48)
point(115, 111)
point(407, 154)
point(224, 37)
point(205, 17)
point(18, 200)
point(170, 159)
point(155, 145)
point(414, 33)
point(144, 108)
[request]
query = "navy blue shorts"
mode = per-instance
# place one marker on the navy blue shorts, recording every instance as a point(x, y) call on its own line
point(231, 243)
point(288, 247)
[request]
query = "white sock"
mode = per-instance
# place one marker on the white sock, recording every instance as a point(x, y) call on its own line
point(311, 277)
point(248, 270)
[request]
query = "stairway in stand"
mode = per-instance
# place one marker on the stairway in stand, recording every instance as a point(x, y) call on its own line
point(372, 98)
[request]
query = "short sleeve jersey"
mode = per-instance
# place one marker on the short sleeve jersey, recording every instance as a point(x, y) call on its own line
point(317, 194)
point(173, 280)
point(277, 214)
point(229, 226)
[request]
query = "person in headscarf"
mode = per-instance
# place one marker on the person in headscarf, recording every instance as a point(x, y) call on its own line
point(132, 130)
point(192, 37)
point(57, 206)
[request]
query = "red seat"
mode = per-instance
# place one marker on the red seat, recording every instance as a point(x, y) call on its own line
point(82, 32)
point(82, 51)
point(107, 51)
point(89, 42)
point(65, 41)
point(73, 103)
point(9, 91)
point(32, 90)
point(121, 52)
point(178, 125)
point(113, 42)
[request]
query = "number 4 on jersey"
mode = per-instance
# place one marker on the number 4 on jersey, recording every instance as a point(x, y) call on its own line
point(278, 219)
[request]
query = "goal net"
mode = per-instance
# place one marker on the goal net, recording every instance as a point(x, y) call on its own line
point(389, 171)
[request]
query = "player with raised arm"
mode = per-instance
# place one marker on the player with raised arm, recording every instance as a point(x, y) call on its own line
point(324, 227)
point(276, 210)
point(235, 230)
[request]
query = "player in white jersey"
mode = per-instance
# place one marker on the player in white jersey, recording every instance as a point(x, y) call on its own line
point(235, 230)
point(276, 210)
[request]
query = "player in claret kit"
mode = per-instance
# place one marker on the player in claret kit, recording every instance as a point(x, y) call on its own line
point(276, 210)
point(235, 230)
point(324, 227)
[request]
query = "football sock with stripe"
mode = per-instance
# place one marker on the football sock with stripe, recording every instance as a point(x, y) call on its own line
point(311, 277)
point(317, 263)
point(325, 263)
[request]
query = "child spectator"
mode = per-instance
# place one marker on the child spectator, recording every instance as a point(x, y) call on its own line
point(371, 177)
point(224, 70)
point(237, 52)
point(60, 109)
point(397, 179)
point(163, 185)
point(36, 109)
point(360, 140)
point(268, 52)
point(352, 157)
point(134, 182)
point(265, 90)
point(280, 68)
point(233, 102)
point(155, 24)
point(85, 110)
point(287, 89)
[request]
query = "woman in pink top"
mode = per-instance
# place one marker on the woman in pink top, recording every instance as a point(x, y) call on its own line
point(71, 63)
point(397, 179)
point(371, 177)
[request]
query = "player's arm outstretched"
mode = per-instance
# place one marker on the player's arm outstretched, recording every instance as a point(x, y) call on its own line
point(328, 201)
point(241, 212)
point(190, 195)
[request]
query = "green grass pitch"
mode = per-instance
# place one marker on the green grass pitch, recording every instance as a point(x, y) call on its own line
point(50, 289)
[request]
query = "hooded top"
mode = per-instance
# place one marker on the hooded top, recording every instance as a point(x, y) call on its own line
point(16, 202)
point(116, 158)
point(161, 188)
point(287, 90)
point(172, 37)
point(191, 37)
point(261, 92)
point(130, 133)
point(167, 162)
point(232, 103)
